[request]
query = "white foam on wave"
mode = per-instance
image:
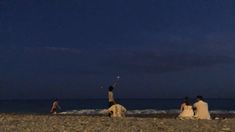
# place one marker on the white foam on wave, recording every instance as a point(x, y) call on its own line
point(218, 111)
point(136, 112)
point(86, 112)
point(153, 111)
point(129, 112)
point(146, 111)
point(222, 111)
point(232, 112)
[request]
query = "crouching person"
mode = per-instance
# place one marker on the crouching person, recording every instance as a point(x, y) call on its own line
point(117, 110)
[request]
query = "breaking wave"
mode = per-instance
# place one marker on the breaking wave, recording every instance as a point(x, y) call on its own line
point(136, 112)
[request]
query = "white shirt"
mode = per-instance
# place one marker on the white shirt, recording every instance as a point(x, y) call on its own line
point(187, 112)
point(201, 111)
point(110, 96)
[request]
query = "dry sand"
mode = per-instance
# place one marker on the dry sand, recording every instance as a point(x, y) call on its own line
point(75, 123)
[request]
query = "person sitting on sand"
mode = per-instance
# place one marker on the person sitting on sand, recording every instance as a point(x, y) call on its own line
point(186, 110)
point(110, 96)
point(55, 106)
point(201, 109)
point(117, 110)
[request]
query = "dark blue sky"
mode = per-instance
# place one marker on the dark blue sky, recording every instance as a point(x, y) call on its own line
point(160, 48)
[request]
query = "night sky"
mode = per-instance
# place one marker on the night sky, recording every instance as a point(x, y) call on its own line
point(159, 48)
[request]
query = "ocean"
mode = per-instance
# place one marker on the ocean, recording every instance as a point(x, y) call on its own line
point(98, 106)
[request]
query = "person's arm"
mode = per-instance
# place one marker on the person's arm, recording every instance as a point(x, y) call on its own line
point(110, 111)
point(59, 106)
point(123, 113)
point(124, 109)
point(194, 107)
point(182, 107)
point(52, 107)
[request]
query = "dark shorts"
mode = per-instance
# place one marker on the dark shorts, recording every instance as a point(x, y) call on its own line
point(111, 103)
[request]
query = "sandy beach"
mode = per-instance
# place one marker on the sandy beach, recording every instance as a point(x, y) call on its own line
point(75, 123)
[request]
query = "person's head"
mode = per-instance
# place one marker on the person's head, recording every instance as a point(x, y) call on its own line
point(186, 98)
point(55, 99)
point(186, 101)
point(110, 88)
point(199, 98)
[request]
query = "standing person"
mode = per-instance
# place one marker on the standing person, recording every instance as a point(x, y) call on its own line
point(55, 106)
point(186, 110)
point(201, 109)
point(110, 96)
point(117, 110)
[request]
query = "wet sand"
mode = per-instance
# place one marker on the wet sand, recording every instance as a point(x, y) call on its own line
point(76, 123)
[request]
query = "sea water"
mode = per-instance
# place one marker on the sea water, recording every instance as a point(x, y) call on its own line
point(99, 106)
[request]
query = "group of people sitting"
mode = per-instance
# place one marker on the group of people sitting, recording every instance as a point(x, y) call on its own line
point(199, 110)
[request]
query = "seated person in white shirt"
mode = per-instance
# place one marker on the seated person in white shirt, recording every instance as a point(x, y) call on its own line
point(201, 109)
point(186, 110)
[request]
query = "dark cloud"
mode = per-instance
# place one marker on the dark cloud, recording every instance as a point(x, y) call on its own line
point(52, 50)
point(40, 73)
point(154, 63)
point(53, 60)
